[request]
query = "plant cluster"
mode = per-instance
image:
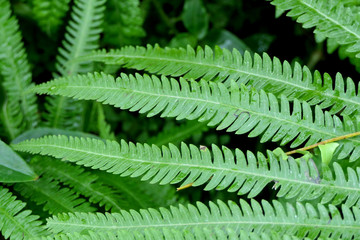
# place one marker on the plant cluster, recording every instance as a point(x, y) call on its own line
point(98, 151)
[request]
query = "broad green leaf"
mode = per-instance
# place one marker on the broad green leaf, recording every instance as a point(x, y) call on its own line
point(327, 152)
point(12, 167)
point(195, 18)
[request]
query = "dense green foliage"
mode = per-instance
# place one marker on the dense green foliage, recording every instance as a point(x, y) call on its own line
point(143, 97)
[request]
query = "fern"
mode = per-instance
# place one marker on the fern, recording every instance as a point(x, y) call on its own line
point(82, 35)
point(221, 65)
point(50, 13)
point(239, 111)
point(331, 20)
point(15, 72)
point(123, 23)
point(15, 222)
point(54, 199)
point(301, 220)
point(219, 169)
point(81, 181)
point(178, 134)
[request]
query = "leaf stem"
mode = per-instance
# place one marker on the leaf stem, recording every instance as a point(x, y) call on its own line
point(324, 142)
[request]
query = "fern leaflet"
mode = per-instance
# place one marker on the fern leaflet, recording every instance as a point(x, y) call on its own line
point(55, 199)
point(15, 222)
point(15, 71)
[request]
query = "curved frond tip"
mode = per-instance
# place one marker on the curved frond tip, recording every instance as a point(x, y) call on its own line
point(238, 110)
point(219, 169)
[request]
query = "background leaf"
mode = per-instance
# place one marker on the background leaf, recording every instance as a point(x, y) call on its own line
point(12, 167)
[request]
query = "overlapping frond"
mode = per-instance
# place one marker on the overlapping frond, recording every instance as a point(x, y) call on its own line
point(16, 223)
point(219, 169)
point(81, 181)
point(139, 194)
point(237, 110)
point(50, 13)
point(221, 65)
point(301, 220)
point(123, 23)
point(178, 134)
point(15, 71)
point(330, 19)
point(82, 35)
point(53, 197)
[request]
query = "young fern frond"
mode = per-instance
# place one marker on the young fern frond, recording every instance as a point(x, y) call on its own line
point(15, 71)
point(82, 35)
point(177, 134)
point(330, 19)
point(220, 169)
point(300, 220)
point(221, 65)
point(81, 181)
point(50, 13)
point(15, 222)
point(55, 199)
point(237, 110)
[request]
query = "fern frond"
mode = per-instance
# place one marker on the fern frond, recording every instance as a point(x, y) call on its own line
point(49, 14)
point(300, 220)
point(330, 19)
point(123, 23)
point(177, 134)
point(219, 169)
point(81, 181)
point(103, 127)
point(11, 119)
point(221, 65)
point(15, 70)
point(201, 233)
point(237, 110)
point(82, 35)
point(16, 223)
point(138, 194)
point(55, 199)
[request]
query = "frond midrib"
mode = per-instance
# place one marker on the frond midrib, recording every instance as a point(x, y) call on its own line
point(16, 223)
point(216, 223)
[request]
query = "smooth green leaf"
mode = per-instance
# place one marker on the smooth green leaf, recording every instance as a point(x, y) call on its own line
point(12, 167)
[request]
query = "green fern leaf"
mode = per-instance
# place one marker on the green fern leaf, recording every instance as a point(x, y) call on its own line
point(15, 222)
point(55, 199)
point(176, 135)
point(330, 19)
point(82, 35)
point(138, 194)
point(221, 65)
point(302, 220)
point(81, 181)
point(237, 110)
point(15, 71)
point(11, 120)
point(123, 23)
point(219, 169)
point(49, 14)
